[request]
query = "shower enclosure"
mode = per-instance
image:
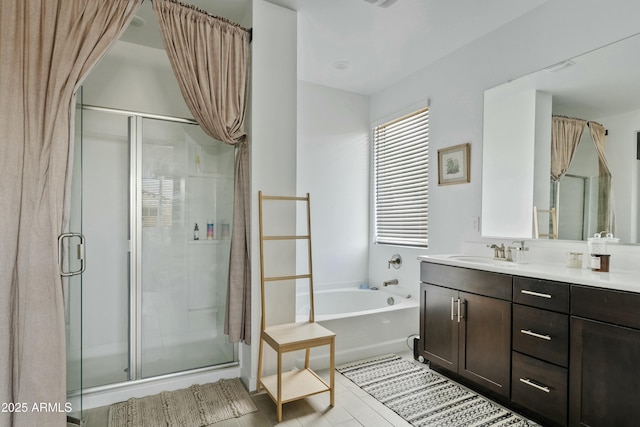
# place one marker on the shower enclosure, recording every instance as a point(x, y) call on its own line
point(151, 299)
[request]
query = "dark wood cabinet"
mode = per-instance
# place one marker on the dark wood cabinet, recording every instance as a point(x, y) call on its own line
point(467, 333)
point(561, 353)
point(604, 367)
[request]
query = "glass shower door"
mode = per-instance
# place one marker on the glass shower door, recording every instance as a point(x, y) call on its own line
point(186, 182)
point(105, 223)
point(97, 301)
point(151, 300)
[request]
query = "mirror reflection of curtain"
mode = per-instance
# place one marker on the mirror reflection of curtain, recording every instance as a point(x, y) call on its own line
point(565, 136)
point(605, 207)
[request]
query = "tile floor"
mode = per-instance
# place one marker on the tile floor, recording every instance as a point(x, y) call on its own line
point(353, 407)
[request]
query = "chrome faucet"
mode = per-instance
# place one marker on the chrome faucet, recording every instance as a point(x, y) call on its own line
point(498, 251)
point(505, 253)
point(390, 282)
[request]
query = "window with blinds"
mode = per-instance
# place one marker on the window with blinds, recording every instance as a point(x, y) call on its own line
point(401, 166)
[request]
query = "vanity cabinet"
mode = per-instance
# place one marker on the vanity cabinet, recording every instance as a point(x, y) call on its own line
point(465, 324)
point(605, 357)
point(540, 354)
point(560, 353)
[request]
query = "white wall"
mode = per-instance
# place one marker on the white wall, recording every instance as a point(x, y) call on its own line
point(135, 78)
point(333, 166)
point(553, 32)
point(272, 141)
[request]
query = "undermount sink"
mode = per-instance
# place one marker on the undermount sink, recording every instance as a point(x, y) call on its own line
point(480, 260)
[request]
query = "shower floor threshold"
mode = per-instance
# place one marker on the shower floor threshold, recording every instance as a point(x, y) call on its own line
point(295, 385)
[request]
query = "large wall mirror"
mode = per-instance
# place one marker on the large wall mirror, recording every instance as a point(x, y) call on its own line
point(595, 184)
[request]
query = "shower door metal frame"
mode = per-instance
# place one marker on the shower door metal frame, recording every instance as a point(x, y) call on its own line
point(135, 240)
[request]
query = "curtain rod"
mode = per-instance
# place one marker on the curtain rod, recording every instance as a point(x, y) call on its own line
point(248, 30)
point(606, 131)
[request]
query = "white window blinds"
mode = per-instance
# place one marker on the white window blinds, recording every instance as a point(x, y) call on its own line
point(401, 180)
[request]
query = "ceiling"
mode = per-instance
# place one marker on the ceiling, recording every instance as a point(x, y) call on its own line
point(357, 46)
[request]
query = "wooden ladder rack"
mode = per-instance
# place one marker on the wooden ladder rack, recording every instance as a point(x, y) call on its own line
point(285, 387)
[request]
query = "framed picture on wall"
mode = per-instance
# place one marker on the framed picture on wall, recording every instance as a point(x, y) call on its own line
point(453, 164)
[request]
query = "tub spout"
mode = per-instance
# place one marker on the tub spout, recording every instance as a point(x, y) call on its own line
point(390, 282)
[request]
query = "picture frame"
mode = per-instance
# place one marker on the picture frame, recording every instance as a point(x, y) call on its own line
point(453, 164)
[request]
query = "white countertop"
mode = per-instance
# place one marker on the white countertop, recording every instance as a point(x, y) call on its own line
point(617, 279)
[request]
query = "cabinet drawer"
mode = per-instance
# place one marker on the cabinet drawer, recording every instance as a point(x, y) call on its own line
point(479, 282)
point(541, 293)
point(542, 334)
point(607, 305)
point(540, 387)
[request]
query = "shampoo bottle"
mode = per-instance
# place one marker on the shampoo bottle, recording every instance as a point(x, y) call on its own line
point(210, 230)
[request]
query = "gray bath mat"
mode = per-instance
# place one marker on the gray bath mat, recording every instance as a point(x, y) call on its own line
point(196, 406)
point(425, 398)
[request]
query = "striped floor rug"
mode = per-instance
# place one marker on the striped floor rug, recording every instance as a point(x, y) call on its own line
point(425, 398)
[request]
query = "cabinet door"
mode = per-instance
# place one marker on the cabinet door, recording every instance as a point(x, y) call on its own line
point(485, 342)
point(604, 374)
point(439, 326)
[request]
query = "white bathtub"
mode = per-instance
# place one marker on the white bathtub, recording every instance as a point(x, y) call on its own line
point(364, 321)
point(349, 302)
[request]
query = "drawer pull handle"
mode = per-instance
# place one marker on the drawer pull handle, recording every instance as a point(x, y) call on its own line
point(528, 382)
point(535, 294)
point(533, 334)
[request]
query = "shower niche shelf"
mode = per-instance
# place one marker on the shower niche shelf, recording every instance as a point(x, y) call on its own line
point(210, 176)
point(209, 191)
point(209, 198)
point(208, 242)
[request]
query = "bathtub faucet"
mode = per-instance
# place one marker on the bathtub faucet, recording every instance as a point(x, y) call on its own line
point(390, 282)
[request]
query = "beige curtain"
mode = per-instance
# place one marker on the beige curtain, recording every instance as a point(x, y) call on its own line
point(565, 136)
point(605, 204)
point(46, 49)
point(210, 58)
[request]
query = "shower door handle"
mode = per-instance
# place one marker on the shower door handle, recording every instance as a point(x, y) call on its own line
point(80, 254)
